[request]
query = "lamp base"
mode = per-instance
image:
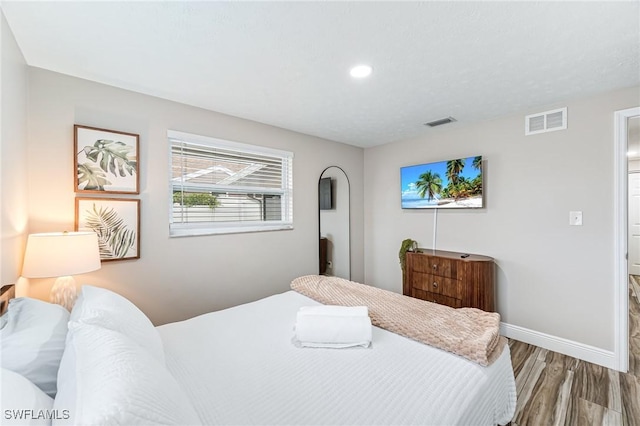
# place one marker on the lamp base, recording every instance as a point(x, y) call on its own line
point(64, 292)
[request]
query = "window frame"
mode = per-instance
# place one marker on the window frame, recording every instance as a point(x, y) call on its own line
point(217, 228)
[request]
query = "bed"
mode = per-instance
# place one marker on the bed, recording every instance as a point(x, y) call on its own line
point(241, 366)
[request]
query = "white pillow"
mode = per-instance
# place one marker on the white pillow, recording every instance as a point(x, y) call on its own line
point(33, 339)
point(104, 308)
point(107, 378)
point(23, 403)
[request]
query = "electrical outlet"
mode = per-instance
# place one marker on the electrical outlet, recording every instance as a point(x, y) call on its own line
point(575, 218)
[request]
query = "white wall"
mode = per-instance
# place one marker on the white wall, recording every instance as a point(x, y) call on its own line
point(13, 156)
point(551, 277)
point(178, 277)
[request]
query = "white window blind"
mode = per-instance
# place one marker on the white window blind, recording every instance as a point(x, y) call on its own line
point(219, 186)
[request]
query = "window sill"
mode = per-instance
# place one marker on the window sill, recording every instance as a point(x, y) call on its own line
point(195, 231)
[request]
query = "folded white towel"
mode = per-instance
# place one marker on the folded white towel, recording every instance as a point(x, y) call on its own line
point(333, 326)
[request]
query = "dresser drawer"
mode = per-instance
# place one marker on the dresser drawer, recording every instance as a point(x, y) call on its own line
point(437, 284)
point(436, 298)
point(440, 266)
point(450, 278)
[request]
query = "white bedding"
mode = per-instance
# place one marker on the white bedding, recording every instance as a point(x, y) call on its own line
point(239, 366)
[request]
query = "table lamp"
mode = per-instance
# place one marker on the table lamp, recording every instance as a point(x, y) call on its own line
point(61, 254)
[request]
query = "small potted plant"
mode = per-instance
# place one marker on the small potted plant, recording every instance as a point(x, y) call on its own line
point(407, 245)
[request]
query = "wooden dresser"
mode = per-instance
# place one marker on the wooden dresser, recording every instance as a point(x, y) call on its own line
point(450, 279)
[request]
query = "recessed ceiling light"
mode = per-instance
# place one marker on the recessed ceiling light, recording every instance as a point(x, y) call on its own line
point(361, 71)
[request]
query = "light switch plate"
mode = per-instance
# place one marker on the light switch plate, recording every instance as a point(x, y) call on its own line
point(575, 218)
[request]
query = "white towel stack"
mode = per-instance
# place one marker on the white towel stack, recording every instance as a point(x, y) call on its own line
point(333, 326)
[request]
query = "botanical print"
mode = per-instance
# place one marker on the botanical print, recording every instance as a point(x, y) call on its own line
point(115, 221)
point(106, 160)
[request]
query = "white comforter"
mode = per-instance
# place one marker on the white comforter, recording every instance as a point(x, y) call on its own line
point(239, 366)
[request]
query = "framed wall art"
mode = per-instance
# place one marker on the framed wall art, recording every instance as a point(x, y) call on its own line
point(106, 161)
point(117, 223)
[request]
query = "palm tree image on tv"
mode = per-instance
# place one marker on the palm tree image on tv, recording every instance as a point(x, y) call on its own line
point(454, 167)
point(447, 184)
point(429, 184)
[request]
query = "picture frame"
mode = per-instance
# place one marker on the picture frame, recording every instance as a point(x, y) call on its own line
point(116, 221)
point(105, 161)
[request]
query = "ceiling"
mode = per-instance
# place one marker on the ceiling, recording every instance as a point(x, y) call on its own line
point(286, 63)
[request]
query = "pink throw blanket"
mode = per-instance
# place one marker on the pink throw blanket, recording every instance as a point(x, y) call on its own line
point(471, 333)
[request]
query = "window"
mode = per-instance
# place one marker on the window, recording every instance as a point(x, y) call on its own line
point(220, 187)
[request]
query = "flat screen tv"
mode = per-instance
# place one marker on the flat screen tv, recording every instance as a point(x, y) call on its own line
point(452, 184)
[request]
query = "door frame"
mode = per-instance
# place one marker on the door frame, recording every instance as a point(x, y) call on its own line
point(621, 205)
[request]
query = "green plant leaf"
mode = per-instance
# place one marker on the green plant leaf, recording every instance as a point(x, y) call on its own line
point(115, 240)
point(404, 247)
point(114, 157)
point(121, 241)
point(93, 176)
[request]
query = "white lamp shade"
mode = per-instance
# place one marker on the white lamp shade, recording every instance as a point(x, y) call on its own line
point(59, 254)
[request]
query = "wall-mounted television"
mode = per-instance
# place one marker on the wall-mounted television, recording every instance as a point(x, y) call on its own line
point(445, 184)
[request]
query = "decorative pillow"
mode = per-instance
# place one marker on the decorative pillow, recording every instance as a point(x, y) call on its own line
point(107, 378)
point(23, 403)
point(33, 339)
point(104, 308)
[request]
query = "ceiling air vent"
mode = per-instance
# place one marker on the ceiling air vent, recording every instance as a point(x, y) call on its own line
point(440, 122)
point(547, 121)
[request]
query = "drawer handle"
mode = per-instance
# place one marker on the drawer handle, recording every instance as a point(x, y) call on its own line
point(435, 284)
point(435, 267)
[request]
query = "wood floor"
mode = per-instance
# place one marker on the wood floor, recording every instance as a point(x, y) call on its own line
point(555, 389)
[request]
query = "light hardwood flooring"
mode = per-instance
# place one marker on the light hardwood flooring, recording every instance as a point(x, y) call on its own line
point(555, 389)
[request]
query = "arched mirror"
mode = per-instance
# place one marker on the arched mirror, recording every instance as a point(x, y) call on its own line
point(334, 215)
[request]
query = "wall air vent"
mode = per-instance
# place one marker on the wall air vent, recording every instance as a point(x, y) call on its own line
point(440, 122)
point(547, 121)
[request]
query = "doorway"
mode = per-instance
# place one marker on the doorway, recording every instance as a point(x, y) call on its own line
point(633, 188)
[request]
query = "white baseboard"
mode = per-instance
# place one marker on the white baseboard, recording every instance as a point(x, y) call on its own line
point(558, 344)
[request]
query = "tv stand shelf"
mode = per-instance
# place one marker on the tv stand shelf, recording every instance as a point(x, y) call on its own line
point(450, 278)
